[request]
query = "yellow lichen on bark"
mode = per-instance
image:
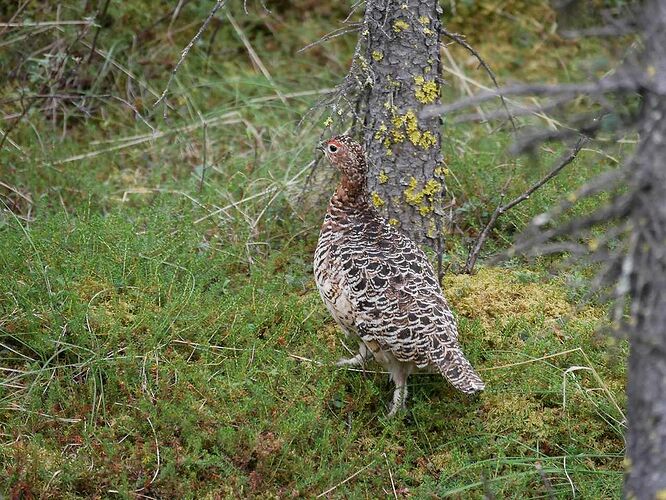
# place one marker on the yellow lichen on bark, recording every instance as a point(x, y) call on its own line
point(400, 25)
point(381, 131)
point(441, 171)
point(383, 178)
point(427, 91)
point(422, 199)
point(406, 126)
point(377, 200)
point(377, 55)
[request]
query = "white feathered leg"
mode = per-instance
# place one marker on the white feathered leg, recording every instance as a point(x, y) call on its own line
point(399, 373)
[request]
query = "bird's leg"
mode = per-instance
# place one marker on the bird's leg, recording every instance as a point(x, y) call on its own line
point(399, 398)
point(363, 354)
point(399, 374)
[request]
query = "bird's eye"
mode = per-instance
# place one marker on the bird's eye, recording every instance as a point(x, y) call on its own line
point(332, 148)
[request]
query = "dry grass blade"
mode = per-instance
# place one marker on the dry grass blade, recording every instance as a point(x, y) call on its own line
point(388, 466)
point(463, 82)
point(256, 60)
point(345, 480)
point(27, 24)
point(141, 139)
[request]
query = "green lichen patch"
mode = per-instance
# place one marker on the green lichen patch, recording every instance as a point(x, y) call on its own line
point(383, 177)
point(407, 125)
point(441, 171)
point(400, 26)
point(427, 91)
point(381, 131)
point(377, 55)
point(423, 198)
point(377, 200)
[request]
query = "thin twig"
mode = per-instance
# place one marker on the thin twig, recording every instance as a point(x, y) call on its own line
point(99, 28)
point(187, 48)
point(563, 162)
point(461, 41)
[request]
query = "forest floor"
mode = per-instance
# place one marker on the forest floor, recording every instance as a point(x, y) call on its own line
point(160, 331)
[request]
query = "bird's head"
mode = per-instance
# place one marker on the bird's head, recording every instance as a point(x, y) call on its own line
point(346, 155)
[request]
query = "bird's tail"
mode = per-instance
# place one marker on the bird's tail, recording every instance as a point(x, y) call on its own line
point(453, 365)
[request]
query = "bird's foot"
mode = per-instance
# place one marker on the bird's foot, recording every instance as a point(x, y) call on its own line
point(355, 361)
point(395, 408)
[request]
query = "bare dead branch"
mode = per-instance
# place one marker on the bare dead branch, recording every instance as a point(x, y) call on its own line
point(518, 111)
point(460, 40)
point(604, 86)
point(99, 28)
point(563, 162)
point(333, 34)
point(188, 47)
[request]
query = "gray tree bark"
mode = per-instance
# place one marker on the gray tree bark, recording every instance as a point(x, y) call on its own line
point(645, 264)
point(401, 64)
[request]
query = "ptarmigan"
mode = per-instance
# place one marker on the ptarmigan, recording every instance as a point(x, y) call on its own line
point(380, 287)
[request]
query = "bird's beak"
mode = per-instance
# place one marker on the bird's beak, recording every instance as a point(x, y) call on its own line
point(321, 147)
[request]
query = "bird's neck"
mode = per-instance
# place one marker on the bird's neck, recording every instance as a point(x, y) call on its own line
point(351, 193)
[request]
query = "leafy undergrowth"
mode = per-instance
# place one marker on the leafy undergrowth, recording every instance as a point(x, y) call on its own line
point(160, 334)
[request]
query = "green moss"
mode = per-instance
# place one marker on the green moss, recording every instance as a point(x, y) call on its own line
point(495, 293)
point(520, 415)
point(498, 299)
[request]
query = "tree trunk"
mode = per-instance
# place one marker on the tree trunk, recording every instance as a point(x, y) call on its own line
point(646, 266)
point(402, 69)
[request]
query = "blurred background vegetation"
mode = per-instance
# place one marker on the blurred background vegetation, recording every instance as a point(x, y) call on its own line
point(160, 332)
